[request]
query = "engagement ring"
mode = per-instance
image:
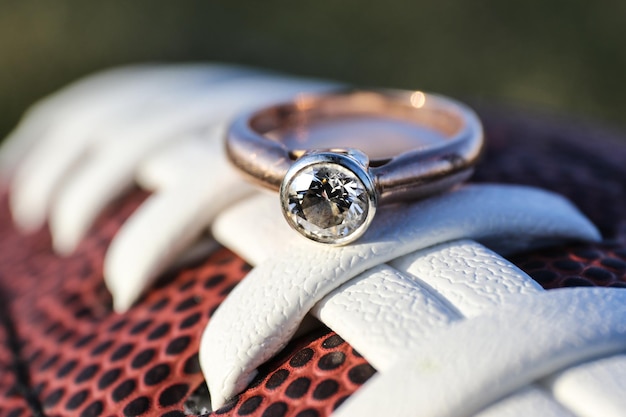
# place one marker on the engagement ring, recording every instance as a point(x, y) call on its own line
point(335, 158)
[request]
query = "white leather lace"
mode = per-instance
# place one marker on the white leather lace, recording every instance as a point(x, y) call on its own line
point(452, 327)
point(425, 307)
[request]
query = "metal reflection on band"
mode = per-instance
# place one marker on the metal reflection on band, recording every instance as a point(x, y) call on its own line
point(331, 195)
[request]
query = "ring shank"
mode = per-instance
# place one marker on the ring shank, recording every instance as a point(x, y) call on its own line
point(255, 141)
point(306, 111)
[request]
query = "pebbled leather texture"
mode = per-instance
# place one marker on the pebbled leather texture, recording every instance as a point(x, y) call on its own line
point(303, 272)
point(471, 278)
point(67, 297)
point(382, 312)
point(404, 302)
point(533, 339)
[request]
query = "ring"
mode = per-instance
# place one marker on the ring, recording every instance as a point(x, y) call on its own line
point(336, 157)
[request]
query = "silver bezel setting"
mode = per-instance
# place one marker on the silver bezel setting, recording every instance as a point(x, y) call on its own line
point(348, 161)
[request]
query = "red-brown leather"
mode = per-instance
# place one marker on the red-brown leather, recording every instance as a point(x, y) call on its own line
point(64, 352)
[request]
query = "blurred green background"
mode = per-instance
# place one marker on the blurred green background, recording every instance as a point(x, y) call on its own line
point(568, 56)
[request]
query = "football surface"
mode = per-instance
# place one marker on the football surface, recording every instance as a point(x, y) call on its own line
point(65, 352)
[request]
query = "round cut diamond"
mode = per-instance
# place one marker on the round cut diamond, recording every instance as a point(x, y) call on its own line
point(327, 202)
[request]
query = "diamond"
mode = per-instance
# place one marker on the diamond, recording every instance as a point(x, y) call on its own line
point(327, 202)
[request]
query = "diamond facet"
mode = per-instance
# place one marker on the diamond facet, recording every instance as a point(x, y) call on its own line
point(326, 202)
